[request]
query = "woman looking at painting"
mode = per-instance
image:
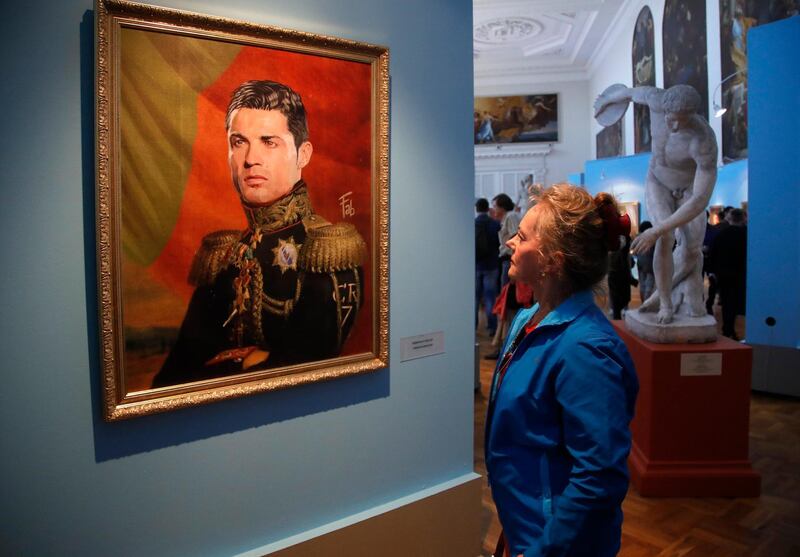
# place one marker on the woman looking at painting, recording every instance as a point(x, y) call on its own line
point(563, 394)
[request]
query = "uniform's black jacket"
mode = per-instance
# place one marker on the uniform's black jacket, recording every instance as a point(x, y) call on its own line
point(296, 298)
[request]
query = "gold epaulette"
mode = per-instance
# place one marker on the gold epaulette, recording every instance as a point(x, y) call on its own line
point(331, 247)
point(212, 256)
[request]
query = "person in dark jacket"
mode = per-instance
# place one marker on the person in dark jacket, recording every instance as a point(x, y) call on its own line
point(644, 266)
point(487, 263)
point(729, 260)
point(620, 278)
point(564, 391)
point(708, 266)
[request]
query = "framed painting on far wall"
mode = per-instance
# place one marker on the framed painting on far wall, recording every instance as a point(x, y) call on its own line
point(736, 18)
point(715, 214)
point(608, 141)
point(516, 119)
point(685, 48)
point(631, 208)
point(242, 245)
point(644, 73)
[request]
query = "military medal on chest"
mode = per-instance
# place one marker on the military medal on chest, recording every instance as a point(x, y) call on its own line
point(285, 254)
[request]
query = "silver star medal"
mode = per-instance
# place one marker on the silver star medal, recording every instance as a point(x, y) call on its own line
point(286, 254)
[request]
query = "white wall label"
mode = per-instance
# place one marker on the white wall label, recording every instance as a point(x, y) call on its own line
point(421, 346)
point(704, 363)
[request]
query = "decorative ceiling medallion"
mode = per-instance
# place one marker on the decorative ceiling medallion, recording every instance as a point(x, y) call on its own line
point(507, 30)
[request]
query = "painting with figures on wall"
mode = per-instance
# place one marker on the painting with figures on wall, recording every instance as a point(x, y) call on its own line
point(242, 245)
point(644, 73)
point(609, 141)
point(516, 119)
point(685, 52)
point(715, 214)
point(631, 208)
point(736, 18)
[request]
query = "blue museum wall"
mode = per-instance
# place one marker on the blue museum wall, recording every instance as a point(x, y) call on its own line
point(243, 474)
point(623, 177)
point(575, 178)
point(773, 243)
point(732, 185)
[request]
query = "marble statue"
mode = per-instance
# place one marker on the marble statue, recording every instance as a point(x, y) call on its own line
point(679, 184)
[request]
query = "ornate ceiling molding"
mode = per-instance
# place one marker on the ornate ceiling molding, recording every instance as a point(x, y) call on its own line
point(520, 81)
point(508, 151)
point(566, 38)
point(507, 30)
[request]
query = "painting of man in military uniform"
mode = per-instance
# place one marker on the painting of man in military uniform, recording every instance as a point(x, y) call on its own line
point(286, 290)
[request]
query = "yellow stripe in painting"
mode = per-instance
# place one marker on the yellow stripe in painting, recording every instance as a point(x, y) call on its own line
point(161, 77)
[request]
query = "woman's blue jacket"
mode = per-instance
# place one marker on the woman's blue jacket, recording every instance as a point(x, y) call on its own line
point(557, 434)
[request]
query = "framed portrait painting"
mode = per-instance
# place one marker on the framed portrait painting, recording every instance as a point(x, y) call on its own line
point(644, 73)
point(242, 242)
point(608, 141)
point(631, 208)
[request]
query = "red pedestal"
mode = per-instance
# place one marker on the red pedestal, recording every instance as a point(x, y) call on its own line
point(690, 431)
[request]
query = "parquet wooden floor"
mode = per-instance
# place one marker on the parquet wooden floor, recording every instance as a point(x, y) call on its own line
point(767, 526)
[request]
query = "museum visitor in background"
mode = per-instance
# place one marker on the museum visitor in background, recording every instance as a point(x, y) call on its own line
point(644, 267)
point(729, 260)
point(563, 393)
point(487, 264)
point(620, 278)
point(712, 230)
point(509, 218)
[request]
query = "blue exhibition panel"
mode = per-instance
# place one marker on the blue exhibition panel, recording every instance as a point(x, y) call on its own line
point(731, 187)
point(623, 177)
point(575, 178)
point(773, 244)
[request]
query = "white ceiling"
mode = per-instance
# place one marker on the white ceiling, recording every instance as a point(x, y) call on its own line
point(526, 41)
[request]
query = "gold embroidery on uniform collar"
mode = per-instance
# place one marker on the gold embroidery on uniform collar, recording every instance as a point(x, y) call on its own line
point(248, 286)
point(285, 211)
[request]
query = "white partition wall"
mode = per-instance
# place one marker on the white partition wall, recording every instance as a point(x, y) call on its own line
point(508, 168)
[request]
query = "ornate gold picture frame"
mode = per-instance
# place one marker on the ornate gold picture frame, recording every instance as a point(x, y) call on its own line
point(242, 207)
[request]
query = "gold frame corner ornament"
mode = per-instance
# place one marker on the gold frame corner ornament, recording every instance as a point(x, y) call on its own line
point(110, 16)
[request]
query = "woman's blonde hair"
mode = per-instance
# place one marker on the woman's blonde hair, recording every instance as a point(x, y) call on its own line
point(573, 223)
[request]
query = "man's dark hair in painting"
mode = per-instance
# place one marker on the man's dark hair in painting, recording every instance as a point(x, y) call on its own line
point(271, 95)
